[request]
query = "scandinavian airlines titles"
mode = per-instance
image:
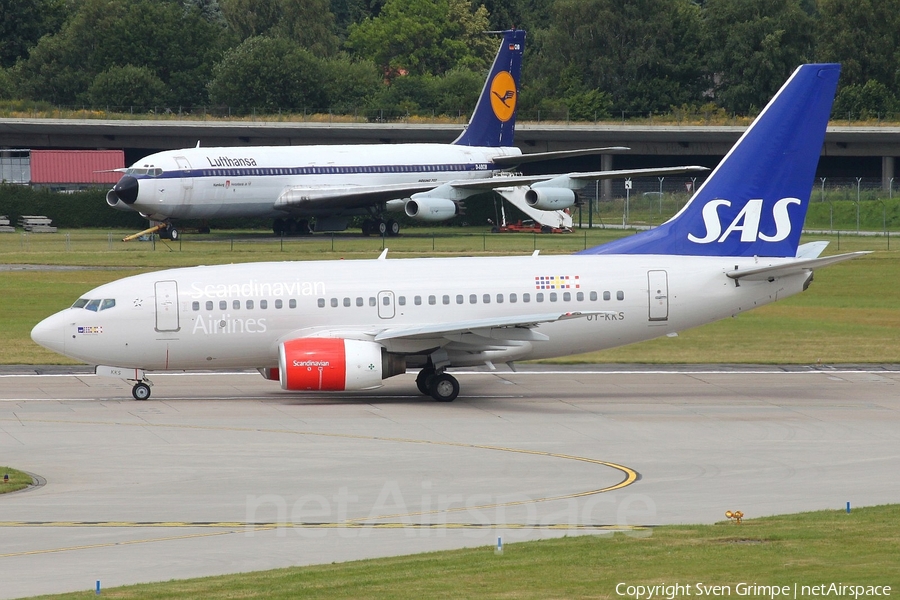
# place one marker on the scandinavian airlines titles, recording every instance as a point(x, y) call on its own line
point(746, 221)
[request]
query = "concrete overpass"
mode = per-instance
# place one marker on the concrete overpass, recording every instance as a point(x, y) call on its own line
point(867, 151)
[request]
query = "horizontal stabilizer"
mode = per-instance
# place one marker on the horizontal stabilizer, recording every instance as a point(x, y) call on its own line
point(790, 268)
point(511, 161)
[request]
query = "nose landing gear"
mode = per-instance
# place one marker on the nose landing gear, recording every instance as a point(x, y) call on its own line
point(140, 391)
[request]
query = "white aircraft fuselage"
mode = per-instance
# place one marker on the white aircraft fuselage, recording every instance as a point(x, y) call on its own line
point(208, 183)
point(236, 316)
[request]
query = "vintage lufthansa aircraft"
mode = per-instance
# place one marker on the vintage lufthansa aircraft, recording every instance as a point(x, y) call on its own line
point(332, 183)
point(347, 325)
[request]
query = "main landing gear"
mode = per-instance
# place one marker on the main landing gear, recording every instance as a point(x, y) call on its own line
point(380, 227)
point(443, 387)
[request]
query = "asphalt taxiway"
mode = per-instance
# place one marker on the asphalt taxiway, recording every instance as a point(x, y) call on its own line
point(223, 473)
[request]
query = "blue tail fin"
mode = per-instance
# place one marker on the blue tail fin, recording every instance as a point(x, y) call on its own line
point(754, 203)
point(494, 121)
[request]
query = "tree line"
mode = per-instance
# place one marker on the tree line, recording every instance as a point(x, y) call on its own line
point(587, 59)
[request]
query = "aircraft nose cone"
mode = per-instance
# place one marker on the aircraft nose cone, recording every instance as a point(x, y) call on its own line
point(127, 189)
point(50, 334)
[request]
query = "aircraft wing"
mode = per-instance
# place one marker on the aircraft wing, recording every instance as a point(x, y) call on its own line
point(496, 328)
point(790, 268)
point(336, 198)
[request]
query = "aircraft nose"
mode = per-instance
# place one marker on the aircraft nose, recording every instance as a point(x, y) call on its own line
point(127, 189)
point(50, 334)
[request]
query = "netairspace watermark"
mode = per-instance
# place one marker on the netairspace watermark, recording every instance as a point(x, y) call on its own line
point(428, 513)
point(751, 590)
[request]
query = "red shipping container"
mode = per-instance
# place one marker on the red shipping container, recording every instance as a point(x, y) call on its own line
point(76, 166)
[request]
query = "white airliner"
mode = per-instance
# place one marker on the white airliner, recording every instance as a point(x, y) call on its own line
point(348, 325)
point(333, 183)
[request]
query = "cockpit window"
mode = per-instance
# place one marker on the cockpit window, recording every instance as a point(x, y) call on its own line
point(94, 305)
point(151, 171)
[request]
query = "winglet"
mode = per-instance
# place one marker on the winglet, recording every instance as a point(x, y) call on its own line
point(754, 203)
point(494, 121)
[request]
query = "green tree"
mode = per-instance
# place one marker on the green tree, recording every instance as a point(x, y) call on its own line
point(128, 87)
point(177, 45)
point(24, 22)
point(424, 37)
point(268, 74)
point(752, 46)
point(864, 36)
point(866, 101)
point(643, 53)
point(349, 84)
point(308, 23)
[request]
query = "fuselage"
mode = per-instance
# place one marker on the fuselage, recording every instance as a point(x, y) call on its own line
point(235, 316)
point(206, 183)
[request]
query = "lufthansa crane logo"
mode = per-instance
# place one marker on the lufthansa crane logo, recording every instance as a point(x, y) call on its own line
point(503, 96)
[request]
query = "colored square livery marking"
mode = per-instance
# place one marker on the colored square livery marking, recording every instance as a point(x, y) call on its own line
point(556, 282)
point(90, 330)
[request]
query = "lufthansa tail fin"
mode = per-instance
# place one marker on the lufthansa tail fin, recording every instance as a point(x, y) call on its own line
point(494, 121)
point(754, 203)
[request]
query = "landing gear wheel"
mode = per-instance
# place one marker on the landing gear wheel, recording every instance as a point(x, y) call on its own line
point(140, 391)
point(393, 228)
point(423, 379)
point(368, 227)
point(444, 387)
point(174, 234)
point(381, 227)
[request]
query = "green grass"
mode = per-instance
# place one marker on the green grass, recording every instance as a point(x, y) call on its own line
point(813, 548)
point(850, 314)
point(17, 480)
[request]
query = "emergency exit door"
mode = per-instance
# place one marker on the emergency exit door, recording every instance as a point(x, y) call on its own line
point(658, 291)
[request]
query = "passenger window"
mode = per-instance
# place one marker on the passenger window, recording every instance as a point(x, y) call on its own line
point(579, 296)
point(359, 301)
point(346, 302)
point(513, 298)
point(209, 305)
point(445, 299)
point(620, 295)
point(372, 301)
point(460, 299)
point(401, 300)
point(606, 295)
point(264, 304)
point(195, 306)
point(432, 300)
point(278, 303)
point(553, 296)
point(249, 304)
point(473, 299)
point(292, 303)
point(567, 296)
point(321, 302)
point(235, 304)
point(486, 298)
point(499, 298)
point(109, 303)
point(223, 305)
point(418, 300)
point(526, 297)
point(334, 302)
point(387, 300)
point(539, 297)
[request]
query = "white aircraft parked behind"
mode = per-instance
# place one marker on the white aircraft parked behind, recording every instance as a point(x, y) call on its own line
point(348, 325)
point(333, 183)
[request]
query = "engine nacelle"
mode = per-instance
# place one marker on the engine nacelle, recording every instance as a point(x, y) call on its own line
point(550, 198)
point(112, 199)
point(335, 364)
point(431, 209)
